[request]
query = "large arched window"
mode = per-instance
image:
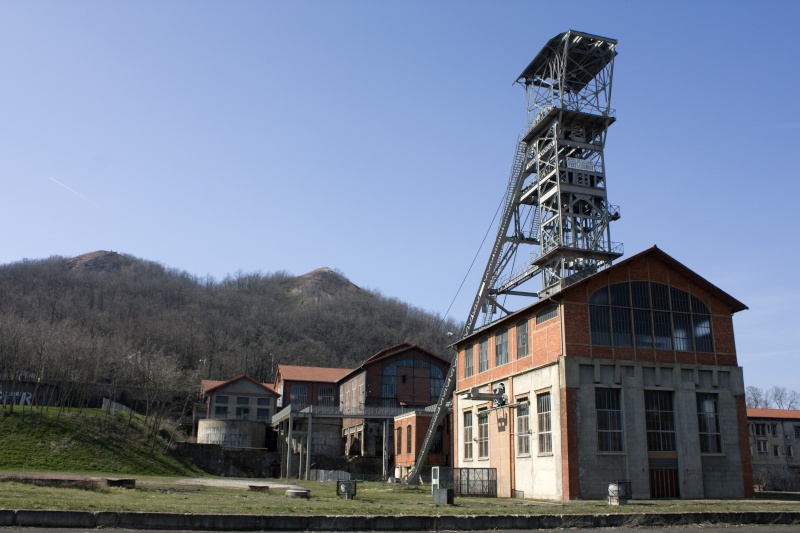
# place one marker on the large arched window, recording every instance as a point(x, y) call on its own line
point(649, 315)
point(389, 379)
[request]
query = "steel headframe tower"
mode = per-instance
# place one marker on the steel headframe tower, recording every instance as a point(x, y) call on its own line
point(555, 204)
point(555, 207)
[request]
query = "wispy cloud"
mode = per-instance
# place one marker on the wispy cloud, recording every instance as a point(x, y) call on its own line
point(76, 193)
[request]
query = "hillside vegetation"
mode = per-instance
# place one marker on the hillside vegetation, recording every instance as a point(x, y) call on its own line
point(107, 324)
point(89, 441)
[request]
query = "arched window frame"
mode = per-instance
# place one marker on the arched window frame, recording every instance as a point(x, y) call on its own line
point(649, 315)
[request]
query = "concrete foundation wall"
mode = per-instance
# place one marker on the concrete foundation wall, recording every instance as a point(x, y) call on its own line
point(219, 461)
point(707, 475)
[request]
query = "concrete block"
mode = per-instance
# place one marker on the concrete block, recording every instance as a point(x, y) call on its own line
point(443, 496)
point(62, 519)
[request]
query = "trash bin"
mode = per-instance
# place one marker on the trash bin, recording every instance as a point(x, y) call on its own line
point(619, 492)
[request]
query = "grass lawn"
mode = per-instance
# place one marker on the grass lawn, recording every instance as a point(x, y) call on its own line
point(160, 494)
point(83, 441)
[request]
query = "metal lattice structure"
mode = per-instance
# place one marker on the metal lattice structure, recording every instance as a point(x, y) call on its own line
point(555, 207)
point(556, 214)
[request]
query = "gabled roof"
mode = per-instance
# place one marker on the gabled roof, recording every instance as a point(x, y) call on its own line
point(393, 351)
point(683, 270)
point(311, 373)
point(655, 252)
point(209, 385)
point(773, 413)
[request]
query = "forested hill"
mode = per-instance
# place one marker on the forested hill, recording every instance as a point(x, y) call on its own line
point(101, 314)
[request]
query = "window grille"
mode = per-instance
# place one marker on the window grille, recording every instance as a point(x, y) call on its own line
point(545, 428)
point(649, 315)
point(609, 420)
point(501, 347)
point(522, 339)
point(483, 355)
point(483, 434)
point(468, 435)
point(523, 427)
point(708, 423)
point(659, 421)
point(546, 314)
point(298, 395)
point(469, 362)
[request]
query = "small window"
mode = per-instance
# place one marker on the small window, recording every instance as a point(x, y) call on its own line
point(762, 446)
point(483, 355)
point(242, 400)
point(522, 339)
point(399, 440)
point(262, 415)
point(408, 438)
point(797, 432)
point(220, 411)
point(483, 434)
point(501, 347)
point(760, 430)
point(242, 413)
point(264, 401)
point(789, 451)
point(774, 430)
point(776, 450)
point(545, 427)
point(523, 427)
point(546, 314)
point(469, 362)
point(468, 435)
point(325, 398)
point(221, 399)
point(298, 395)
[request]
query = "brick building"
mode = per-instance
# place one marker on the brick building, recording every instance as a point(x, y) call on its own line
point(398, 378)
point(774, 441)
point(302, 436)
point(409, 435)
point(628, 374)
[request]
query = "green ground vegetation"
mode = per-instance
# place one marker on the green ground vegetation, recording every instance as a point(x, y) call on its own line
point(172, 495)
point(99, 444)
point(85, 441)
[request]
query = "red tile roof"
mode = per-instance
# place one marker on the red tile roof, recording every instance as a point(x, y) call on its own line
point(312, 373)
point(773, 413)
point(208, 385)
point(397, 349)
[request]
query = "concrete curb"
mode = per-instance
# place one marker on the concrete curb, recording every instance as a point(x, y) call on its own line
point(175, 521)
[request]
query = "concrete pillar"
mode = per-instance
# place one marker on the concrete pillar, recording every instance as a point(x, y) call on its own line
point(289, 447)
point(308, 443)
point(385, 448)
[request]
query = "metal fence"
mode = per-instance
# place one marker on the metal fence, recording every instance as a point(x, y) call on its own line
point(469, 481)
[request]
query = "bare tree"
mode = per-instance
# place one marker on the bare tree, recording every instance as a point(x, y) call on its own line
point(755, 398)
point(783, 398)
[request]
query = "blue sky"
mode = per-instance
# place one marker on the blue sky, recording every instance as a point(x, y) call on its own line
point(375, 137)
